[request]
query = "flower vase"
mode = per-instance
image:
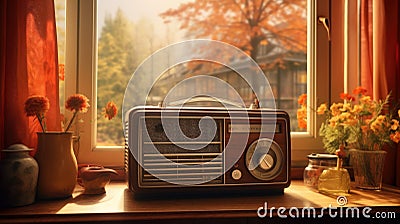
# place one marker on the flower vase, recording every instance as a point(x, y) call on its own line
point(368, 168)
point(58, 167)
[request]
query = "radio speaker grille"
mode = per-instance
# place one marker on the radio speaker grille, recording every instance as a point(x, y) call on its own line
point(172, 163)
point(182, 167)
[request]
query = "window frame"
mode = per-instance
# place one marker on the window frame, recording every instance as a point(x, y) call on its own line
point(81, 55)
point(80, 67)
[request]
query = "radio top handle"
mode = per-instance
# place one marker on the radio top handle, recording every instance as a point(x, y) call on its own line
point(201, 98)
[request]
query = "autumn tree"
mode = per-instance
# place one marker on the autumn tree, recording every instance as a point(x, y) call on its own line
point(122, 46)
point(245, 24)
point(115, 46)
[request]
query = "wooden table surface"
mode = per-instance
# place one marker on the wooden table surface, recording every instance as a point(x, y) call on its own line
point(118, 204)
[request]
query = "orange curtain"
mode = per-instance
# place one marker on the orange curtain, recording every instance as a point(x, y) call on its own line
point(28, 66)
point(380, 37)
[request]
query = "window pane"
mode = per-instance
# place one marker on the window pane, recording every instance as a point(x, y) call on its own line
point(272, 32)
point(60, 24)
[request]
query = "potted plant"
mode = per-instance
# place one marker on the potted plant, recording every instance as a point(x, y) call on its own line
point(55, 155)
point(363, 126)
point(58, 167)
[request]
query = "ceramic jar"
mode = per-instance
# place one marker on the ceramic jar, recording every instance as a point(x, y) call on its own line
point(58, 169)
point(18, 176)
point(317, 163)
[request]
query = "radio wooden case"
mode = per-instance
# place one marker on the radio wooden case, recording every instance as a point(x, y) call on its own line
point(149, 174)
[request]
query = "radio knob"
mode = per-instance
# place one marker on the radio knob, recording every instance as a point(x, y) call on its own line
point(236, 174)
point(267, 162)
point(264, 159)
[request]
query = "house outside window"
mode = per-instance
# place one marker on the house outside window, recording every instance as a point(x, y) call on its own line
point(106, 43)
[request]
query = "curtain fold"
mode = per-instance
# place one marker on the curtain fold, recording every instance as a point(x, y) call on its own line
point(398, 90)
point(29, 66)
point(380, 64)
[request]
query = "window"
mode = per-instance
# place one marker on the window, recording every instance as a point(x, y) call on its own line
point(90, 72)
point(60, 24)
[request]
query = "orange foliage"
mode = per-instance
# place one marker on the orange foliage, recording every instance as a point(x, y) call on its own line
point(245, 24)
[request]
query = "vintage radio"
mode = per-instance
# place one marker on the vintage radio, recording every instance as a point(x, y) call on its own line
point(170, 150)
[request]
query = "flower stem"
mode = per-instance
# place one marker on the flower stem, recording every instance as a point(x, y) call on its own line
point(40, 122)
point(70, 122)
point(44, 124)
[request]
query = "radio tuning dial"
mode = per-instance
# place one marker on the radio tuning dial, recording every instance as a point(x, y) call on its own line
point(264, 159)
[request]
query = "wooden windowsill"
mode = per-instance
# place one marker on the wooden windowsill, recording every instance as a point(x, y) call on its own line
point(119, 205)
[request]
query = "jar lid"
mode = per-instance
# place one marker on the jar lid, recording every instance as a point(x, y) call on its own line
point(17, 148)
point(321, 156)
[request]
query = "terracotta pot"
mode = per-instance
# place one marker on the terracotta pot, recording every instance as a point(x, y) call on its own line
point(95, 178)
point(58, 168)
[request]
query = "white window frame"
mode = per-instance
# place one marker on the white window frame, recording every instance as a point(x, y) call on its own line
point(80, 69)
point(81, 56)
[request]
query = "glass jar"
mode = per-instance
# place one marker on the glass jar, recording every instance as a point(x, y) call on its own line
point(335, 181)
point(316, 164)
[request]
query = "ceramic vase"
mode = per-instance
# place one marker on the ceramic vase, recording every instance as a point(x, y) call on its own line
point(58, 168)
point(18, 177)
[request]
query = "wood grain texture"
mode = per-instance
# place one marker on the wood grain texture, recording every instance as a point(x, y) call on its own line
point(119, 205)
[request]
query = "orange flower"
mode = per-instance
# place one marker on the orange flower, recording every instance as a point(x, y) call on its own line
point(335, 108)
point(346, 96)
point(333, 121)
point(302, 117)
point(302, 112)
point(357, 109)
point(366, 100)
point(360, 90)
point(36, 105)
point(321, 109)
point(395, 137)
point(351, 121)
point(302, 100)
point(395, 124)
point(77, 102)
point(346, 107)
point(302, 123)
point(110, 110)
point(61, 71)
